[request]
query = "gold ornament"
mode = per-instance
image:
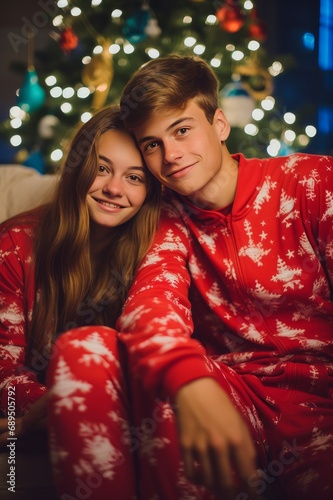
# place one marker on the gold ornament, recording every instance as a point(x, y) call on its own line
point(256, 79)
point(98, 75)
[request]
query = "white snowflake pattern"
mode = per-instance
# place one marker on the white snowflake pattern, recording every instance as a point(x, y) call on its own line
point(270, 301)
point(329, 205)
point(195, 270)
point(264, 194)
point(66, 388)
point(98, 452)
point(310, 183)
point(13, 316)
point(305, 247)
point(251, 333)
point(96, 350)
point(286, 275)
point(214, 296)
point(254, 251)
point(128, 321)
point(230, 269)
point(286, 211)
point(166, 276)
point(208, 240)
point(291, 162)
point(284, 330)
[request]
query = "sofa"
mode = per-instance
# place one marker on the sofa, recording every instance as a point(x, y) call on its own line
point(22, 188)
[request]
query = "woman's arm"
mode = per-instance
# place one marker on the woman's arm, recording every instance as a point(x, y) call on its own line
point(19, 385)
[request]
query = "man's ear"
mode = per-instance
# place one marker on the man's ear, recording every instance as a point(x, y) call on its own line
point(222, 124)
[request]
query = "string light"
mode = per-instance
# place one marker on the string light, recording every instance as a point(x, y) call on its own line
point(56, 92)
point(211, 19)
point(153, 53)
point(16, 140)
point(116, 13)
point(86, 117)
point(289, 118)
point(251, 129)
point(199, 49)
point(62, 4)
point(76, 11)
point(50, 80)
point(66, 107)
point(83, 92)
point(56, 155)
point(310, 131)
point(189, 41)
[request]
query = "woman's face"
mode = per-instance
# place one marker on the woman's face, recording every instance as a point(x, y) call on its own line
point(120, 187)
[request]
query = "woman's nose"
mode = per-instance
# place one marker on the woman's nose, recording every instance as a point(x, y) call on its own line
point(113, 186)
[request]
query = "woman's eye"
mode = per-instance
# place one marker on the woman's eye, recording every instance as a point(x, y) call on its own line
point(135, 178)
point(102, 169)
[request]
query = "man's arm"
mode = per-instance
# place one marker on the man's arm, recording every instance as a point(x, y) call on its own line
point(156, 322)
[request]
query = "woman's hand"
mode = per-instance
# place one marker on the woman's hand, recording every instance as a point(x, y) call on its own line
point(216, 444)
point(33, 420)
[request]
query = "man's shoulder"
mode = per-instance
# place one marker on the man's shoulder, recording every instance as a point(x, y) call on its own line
point(302, 161)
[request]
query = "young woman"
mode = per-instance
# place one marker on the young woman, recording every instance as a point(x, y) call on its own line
point(70, 263)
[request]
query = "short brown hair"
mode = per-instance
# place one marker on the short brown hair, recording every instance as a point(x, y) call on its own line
point(169, 83)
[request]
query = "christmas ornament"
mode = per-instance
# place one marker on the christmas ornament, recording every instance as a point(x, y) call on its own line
point(31, 95)
point(256, 79)
point(68, 40)
point(256, 29)
point(46, 126)
point(230, 16)
point(152, 29)
point(237, 104)
point(98, 75)
point(21, 156)
point(135, 26)
point(36, 161)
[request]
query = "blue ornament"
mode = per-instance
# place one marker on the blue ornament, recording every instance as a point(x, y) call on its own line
point(35, 160)
point(31, 95)
point(134, 28)
point(237, 104)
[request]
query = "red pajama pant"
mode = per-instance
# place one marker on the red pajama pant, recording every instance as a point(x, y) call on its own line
point(111, 442)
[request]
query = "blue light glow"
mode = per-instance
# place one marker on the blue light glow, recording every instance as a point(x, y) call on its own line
point(326, 35)
point(309, 41)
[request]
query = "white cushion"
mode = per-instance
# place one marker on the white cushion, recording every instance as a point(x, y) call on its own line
point(23, 188)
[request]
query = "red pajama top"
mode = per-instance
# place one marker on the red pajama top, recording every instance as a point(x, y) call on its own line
point(251, 289)
point(17, 293)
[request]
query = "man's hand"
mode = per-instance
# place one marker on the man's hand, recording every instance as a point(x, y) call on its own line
point(33, 420)
point(216, 444)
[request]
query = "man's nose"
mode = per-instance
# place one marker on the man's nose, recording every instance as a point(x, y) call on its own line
point(171, 152)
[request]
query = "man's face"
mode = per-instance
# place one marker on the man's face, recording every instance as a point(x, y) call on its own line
point(183, 150)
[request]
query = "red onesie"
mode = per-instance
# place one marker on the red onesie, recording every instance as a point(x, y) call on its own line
point(244, 297)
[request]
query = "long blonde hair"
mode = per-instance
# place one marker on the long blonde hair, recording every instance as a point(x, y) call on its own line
point(73, 287)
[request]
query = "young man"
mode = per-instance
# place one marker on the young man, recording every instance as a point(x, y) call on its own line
point(230, 318)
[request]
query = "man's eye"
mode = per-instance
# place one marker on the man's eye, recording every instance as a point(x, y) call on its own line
point(182, 131)
point(151, 145)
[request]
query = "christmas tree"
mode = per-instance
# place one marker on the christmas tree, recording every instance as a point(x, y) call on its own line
point(96, 45)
